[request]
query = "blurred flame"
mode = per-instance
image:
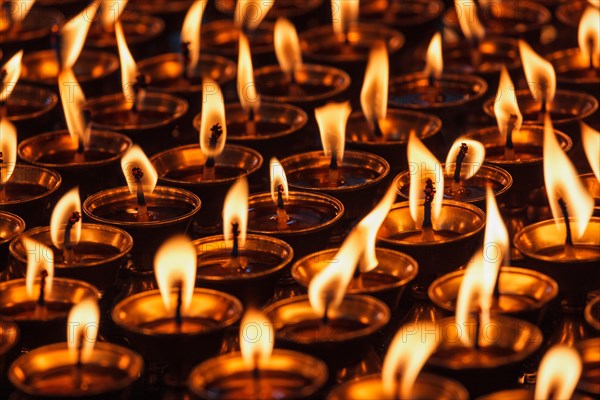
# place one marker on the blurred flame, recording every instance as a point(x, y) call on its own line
point(8, 148)
point(246, 86)
point(406, 356)
point(589, 36)
point(39, 258)
point(110, 12)
point(63, 210)
point(135, 157)
point(250, 13)
point(287, 46)
point(560, 177)
point(423, 165)
point(256, 338)
point(539, 73)
point(19, 9)
point(332, 119)
point(277, 175)
point(473, 159)
point(82, 328)
point(591, 144)
point(374, 93)
point(345, 15)
point(235, 210)
point(12, 69)
point(496, 242)
point(213, 112)
point(471, 27)
point(190, 32)
point(128, 67)
point(506, 104)
point(73, 102)
point(558, 373)
point(435, 61)
point(74, 33)
point(175, 264)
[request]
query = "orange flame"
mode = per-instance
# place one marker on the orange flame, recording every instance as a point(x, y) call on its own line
point(110, 12)
point(74, 33)
point(135, 157)
point(589, 36)
point(332, 119)
point(235, 210)
point(213, 113)
point(190, 32)
point(435, 61)
point(471, 27)
point(8, 147)
point(287, 46)
point(496, 242)
point(345, 15)
point(558, 373)
point(82, 328)
point(540, 75)
point(473, 159)
point(506, 105)
point(591, 144)
point(73, 102)
point(12, 70)
point(277, 175)
point(39, 258)
point(250, 13)
point(246, 86)
point(128, 67)
point(69, 203)
point(374, 93)
point(256, 338)
point(19, 9)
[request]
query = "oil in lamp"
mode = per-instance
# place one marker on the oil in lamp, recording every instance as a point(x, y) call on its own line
point(149, 213)
point(11, 226)
point(9, 336)
point(245, 266)
point(79, 367)
point(302, 219)
point(588, 384)
point(176, 325)
point(591, 146)
point(258, 371)
point(208, 170)
point(40, 302)
point(401, 376)
point(350, 176)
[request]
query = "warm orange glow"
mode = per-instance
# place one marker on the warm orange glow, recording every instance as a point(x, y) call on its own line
point(250, 13)
point(539, 73)
point(277, 177)
point(246, 86)
point(287, 46)
point(589, 36)
point(345, 15)
point(591, 144)
point(128, 67)
point(374, 93)
point(12, 69)
point(558, 373)
point(332, 119)
point(213, 114)
point(73, 102)
point(435, 61)
point(473, 159)
point(506, 107)
point(466, 11)
point(562, 181)
point(82, 328)
point(190, 32)
point(174, 265)
point(135, 157)
point(235, 210)
point(39, 258)
point(423, 165)
point(20, 9)
point(111, 10)
point(257, 338)
point(496, 242)
point(411, 347)
point(73, 35)
point(8, 147)
point(69, 203)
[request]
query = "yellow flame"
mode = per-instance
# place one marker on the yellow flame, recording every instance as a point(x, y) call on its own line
point(558, 373)
point(589, 36)
point(257, 338)
point(128, 67)
point(496, 242)
point(562, 181)
point(135, 157)
point(374, 93)
point(473, 159)
point(82, 328)
point(332, 119)
point(423, 165)
point(69, 203)
point(591, 145)
point(110, 12)
point(411, 347)
point(12, 70)
point(19, 9)
point(246, 86)
point(39, 258)
point(174, 265)
point(250, 13)
point(190, 32)
point(540, 74)
point(8, 147)
point(277, 177)
point(287, 46)
point(471, 27)
point(595, 3)
point(213, 113)
point(73, 102)
point(345, 15)
point(506, 105)
point(435, 61)
point(73, 35)
point(235, 210)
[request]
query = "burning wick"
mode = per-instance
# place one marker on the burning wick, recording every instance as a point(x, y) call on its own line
point(428, 235)
point(208, 172)
point(185, 52)
point(178, 318)
point(591, 53)
point(251, 123)
point(544, 107)
point(40, 308)
point(79, 155)
point(256, 377)
point(139, 90)
point(334, 170)
point(460, 157)
point(55, 43)
point(2, 186)
point(77, 379)
point(142, 207)
point(235, 262)
point(377, 128)
point(3, 105)
point(431, 94)
point(357, 279)
point(282, 218)
point(569, 250)
point(475, 54)
point(68, 245)
point(477, 330)
point(509, 148)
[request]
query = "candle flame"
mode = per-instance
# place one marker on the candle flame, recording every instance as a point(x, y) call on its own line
point(589, 36)
point(591, 145)
point(256, 338)
point(136, 158)
point(74, 33)
point(40, 258)
point(277, 177)
point(64, 209)
point(246, 86)
point(496, 242)
point(558, 373)
point(435, 61)
point(506, 107)
point(374, 93)
point(235, 210)
point(405, 358)
point(471, 27)
point(19, 9)
point(423, 165)
point(560, 177)
point(250, 13)
point(174, 265)
point(8, 149)
point(110, 12)
point(129, 70)
point(12, 73)
point(287, 46)
point(473, 159)
point(82, 328)
point(190, 32)
point(213, 115)
point(73, 102)
point(345, 15)
point(540, 74)
point(332, 119)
